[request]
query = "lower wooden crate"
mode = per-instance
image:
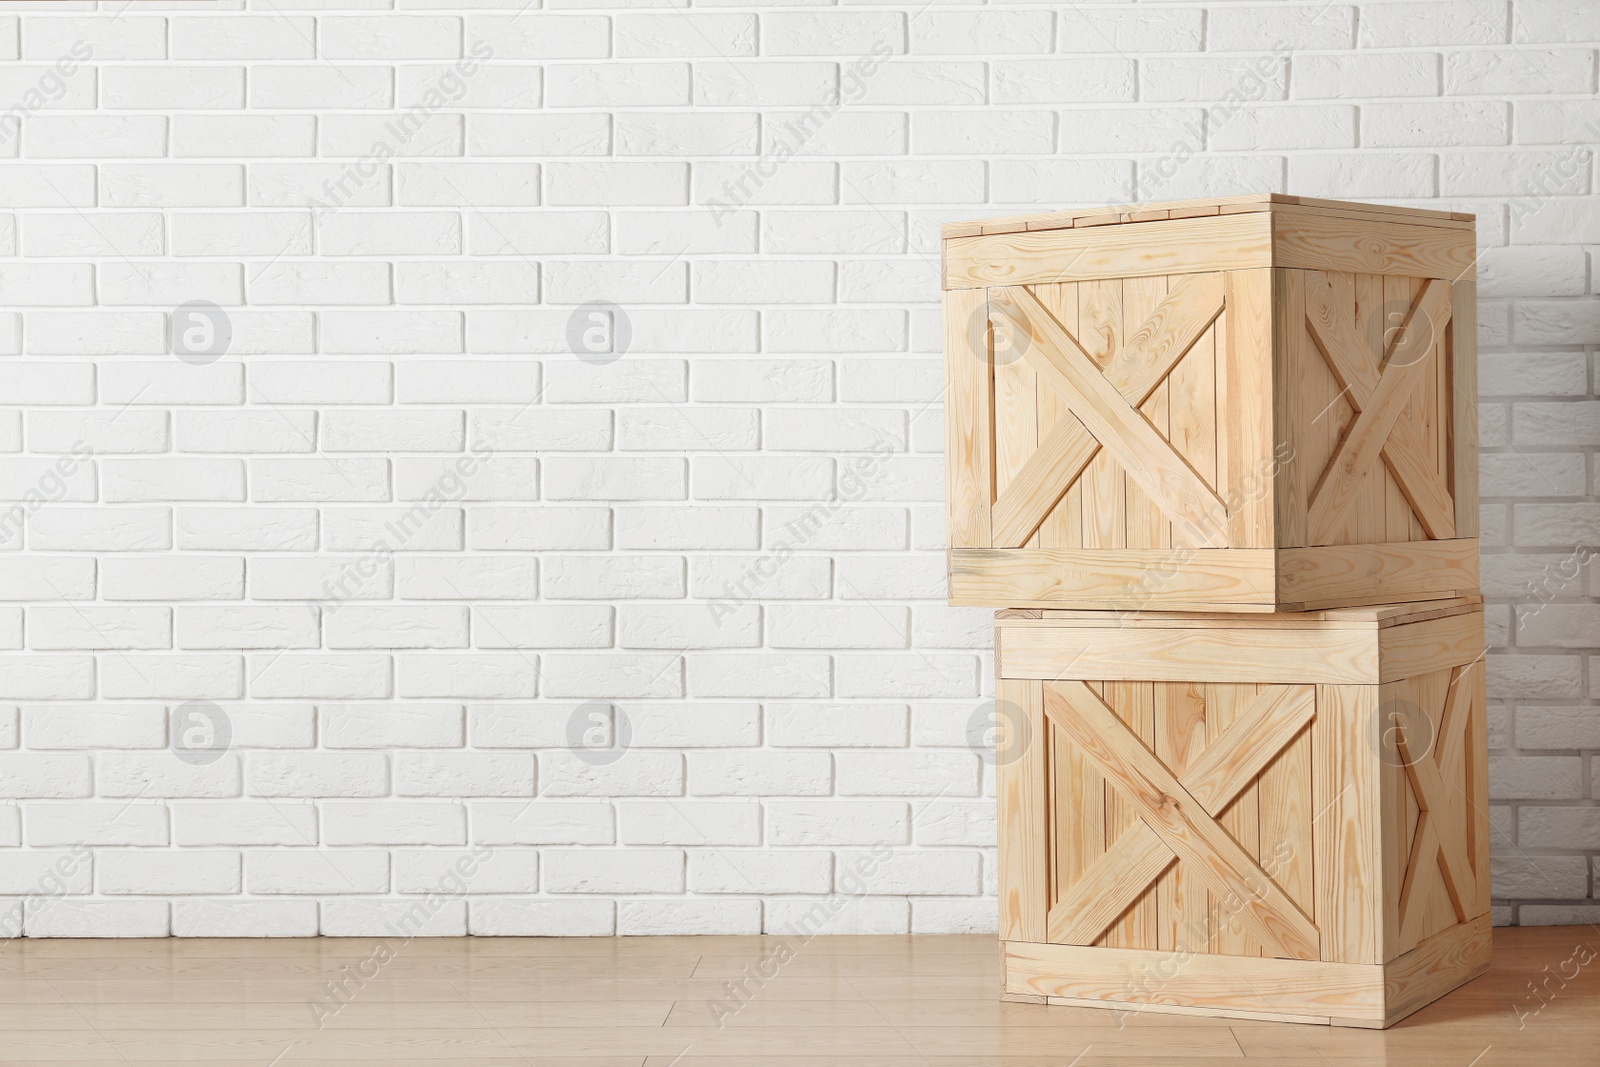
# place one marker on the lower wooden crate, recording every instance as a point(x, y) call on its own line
point(1271, 816)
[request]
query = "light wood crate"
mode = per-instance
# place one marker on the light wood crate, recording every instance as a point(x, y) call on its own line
point(1260, 403)
point(1268, 816)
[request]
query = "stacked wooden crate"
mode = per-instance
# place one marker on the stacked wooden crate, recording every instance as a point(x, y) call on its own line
point(1215, 461)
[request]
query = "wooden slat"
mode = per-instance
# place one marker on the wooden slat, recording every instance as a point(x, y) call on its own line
point(1330, 574)
point(1176, 246)
point(1404, 452)
point(1435, 644)
point(1176, 816)
point(1022, 799)
point(1247, 481)
point(1134, 704)
point(1016, 416)
point(1221, 984)
point(1464, 405)
point(1121, 430)
point(1285, 849)
point(1249, 202)
point(1475, 786)
point(1201, 655)
point(1080, 829)
point(969, 432)
point(1249, 743)
point(1438, 965)
point(1180, 740)
point(1345, 833)
point(1147, 525)
point(1403, 368)
point(1109, 887)
point(1310, 241)
point(1241, 819)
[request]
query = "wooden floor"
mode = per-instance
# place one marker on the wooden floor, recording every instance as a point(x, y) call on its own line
point(652, 1002)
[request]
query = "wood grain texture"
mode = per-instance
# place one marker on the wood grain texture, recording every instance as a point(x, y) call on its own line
point(969, 430)
point(1394, 572)
point(1220, 984)
point(1021, 786)
point(1113, 578)
point(1163, 803)
point(1406, 364)
point(1177, 246)
point(1404, 451)
point(1190, 655)
point(1142, 454)
point(1346, 801)
point(1314, 241)
point(1464, 405)
point(1249, 477)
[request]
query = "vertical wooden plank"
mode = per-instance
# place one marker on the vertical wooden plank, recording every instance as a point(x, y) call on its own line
point(1399, 807)
point(1366, 304)
point(1241, 819)
point(968, 418)
point(1398, 519)
point(1192, 414)
point(1063, 527)
point(1464, 405)
point(1016, 419)
point(1020, 787)
point(1180, 718)
point(1476, 785)
point(1247, 385)
point(1147, 524)
point(1434, 691)
point(1134, 703)
point(1285, 847)
point(1100, 333)
point(1324, 412)
point(1291, 491)
point(1080, 812)
point(1350, 848)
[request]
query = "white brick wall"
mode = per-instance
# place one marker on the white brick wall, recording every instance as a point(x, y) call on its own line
point(559, 531)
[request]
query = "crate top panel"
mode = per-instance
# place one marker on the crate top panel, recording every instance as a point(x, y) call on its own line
point(1194, 236)
point(1371, 617)
point(1116, 214)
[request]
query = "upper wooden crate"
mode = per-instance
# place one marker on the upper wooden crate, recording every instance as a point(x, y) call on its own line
point(1250, 404)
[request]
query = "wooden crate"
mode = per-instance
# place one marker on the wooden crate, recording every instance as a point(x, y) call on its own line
point(1275, 816)
point(1257, 404)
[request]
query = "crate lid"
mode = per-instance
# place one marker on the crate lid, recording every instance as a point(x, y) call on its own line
point(1118, 214)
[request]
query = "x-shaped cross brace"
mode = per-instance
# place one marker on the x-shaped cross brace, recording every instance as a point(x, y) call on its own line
point(1441, 833)
point(1178, 818)
point(1379, 395)
point(1104, 410)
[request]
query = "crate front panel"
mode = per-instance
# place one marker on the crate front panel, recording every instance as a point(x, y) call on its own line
point(1240, 819)
point(1105, 400)
point(1103, 846)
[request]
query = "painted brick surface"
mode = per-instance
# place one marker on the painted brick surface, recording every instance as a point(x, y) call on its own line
point(497, 455)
